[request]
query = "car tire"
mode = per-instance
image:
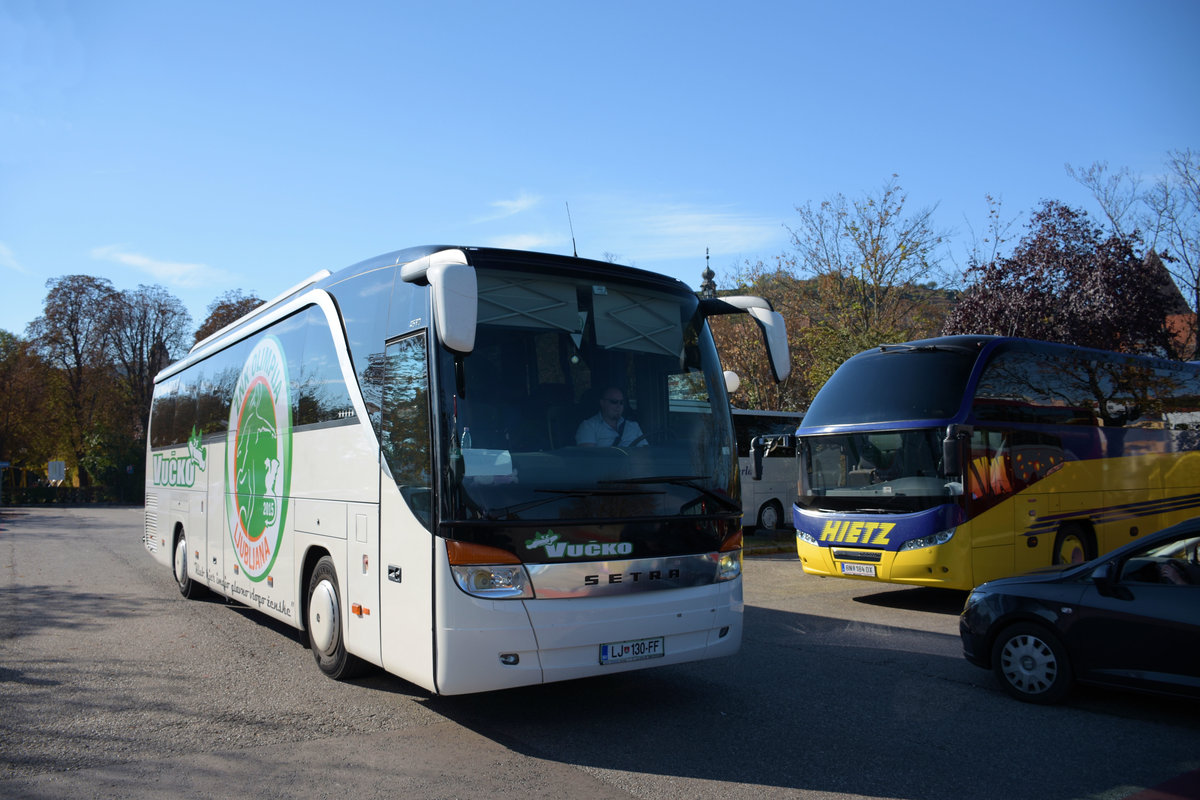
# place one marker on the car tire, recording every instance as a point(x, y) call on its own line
point(1031, 664)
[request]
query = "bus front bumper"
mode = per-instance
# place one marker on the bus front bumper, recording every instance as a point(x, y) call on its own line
point(946, 565)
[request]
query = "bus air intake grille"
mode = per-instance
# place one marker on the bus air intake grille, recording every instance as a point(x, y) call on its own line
point(858, 555)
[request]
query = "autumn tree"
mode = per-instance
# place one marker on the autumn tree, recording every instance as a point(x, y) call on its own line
point(26, 420)
point(1065, 281)
point(740, 344)
point(147, 328)
point(1165, 219)
point(72, 335)
point(860, 273)
point(229, 307)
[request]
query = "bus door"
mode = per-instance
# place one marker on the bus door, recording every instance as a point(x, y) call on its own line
point(406, 512)
point(214, 535)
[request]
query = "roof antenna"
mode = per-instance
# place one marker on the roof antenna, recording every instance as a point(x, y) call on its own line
point(574, 250)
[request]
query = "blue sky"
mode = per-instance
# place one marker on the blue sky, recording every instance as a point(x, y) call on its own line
point(220, 145)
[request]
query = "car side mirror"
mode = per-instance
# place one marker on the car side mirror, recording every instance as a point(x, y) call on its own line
point(1105, 577)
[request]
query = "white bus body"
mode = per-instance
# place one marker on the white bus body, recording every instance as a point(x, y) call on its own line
point(384, 458)
point(766, 499)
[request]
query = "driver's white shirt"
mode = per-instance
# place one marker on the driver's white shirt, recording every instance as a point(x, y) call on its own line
point(594, 430)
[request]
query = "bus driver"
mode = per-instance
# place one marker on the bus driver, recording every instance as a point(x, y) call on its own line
point(609, 428)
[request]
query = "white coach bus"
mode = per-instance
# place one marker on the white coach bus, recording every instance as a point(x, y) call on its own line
point(385, 457)
point(767, 495)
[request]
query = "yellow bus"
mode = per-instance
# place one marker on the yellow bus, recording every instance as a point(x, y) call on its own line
point(952, 461)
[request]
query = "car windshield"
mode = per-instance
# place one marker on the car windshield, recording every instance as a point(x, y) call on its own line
point(879, 471)
point(584, 401)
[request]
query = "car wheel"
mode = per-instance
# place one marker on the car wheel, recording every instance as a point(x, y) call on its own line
point(1032, 664)
point(1073, 545)
point(325, 636)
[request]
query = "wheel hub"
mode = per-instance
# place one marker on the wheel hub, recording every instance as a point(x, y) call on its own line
point(323, 617)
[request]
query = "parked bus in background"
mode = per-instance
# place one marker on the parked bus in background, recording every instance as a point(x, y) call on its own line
point(952, 461)
point(767, 494)
point(385, 458)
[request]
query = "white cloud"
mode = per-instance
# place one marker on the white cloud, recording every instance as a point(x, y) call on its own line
point(9, 261)
point(508, 208)
point(651, 231)
point(172, 273)
point(525, 241)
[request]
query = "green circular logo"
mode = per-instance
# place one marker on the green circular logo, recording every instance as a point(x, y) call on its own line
point(258, 461)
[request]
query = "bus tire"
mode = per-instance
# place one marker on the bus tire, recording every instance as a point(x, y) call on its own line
point(769, 516)
point(189, 588)
point(324, 623)
point(1074, 544)
point(1031, 664)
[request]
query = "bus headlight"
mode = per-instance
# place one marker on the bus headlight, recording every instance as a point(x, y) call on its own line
point(729, 557)
point(488, 572)
point(941, 537)
point(807, 538)
point(729, 566)
point(493, 581)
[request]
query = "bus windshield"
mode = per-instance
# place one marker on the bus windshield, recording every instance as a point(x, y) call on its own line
point(583, 401)
point(921, 383)
point(894, 471)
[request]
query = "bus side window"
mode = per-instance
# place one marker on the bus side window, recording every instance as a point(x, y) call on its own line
point(989, 478)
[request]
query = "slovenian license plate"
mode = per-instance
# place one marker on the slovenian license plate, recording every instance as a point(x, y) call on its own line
point(633, 650)
point(866, 570)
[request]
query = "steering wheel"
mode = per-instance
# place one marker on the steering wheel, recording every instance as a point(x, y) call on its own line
point(658, 433)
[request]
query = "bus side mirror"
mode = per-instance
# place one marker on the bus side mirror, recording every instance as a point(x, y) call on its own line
point(771, 323)
point(775, 335)
point(757, 447)
point(455, 296)
point(952, 449)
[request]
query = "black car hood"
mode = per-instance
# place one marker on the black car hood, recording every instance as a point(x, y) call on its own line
point(1045, 575)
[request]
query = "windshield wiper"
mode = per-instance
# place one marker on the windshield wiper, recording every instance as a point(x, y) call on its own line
point(559, 494)
point(683, 480)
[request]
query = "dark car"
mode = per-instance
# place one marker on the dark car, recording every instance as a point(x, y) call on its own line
point(1129, 619)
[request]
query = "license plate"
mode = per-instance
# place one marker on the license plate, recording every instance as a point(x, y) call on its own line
point(866, 570)
point(633, 650)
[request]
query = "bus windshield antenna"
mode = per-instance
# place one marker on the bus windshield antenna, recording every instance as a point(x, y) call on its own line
point(571, 225)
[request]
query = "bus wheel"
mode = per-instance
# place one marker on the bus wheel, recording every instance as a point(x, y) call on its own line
point(1073, 545)
point(187, 587)
point(769, 516)
point(1031, 663)
point(325, 624)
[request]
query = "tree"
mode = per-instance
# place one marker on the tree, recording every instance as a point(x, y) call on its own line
point(1165, 219)
point(853, 280)
point(147, 327)
point(740, 344)
point(26, 420)
point(1175, 203)
point(229, 307)
point(1066, 281)
point(72, 336)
